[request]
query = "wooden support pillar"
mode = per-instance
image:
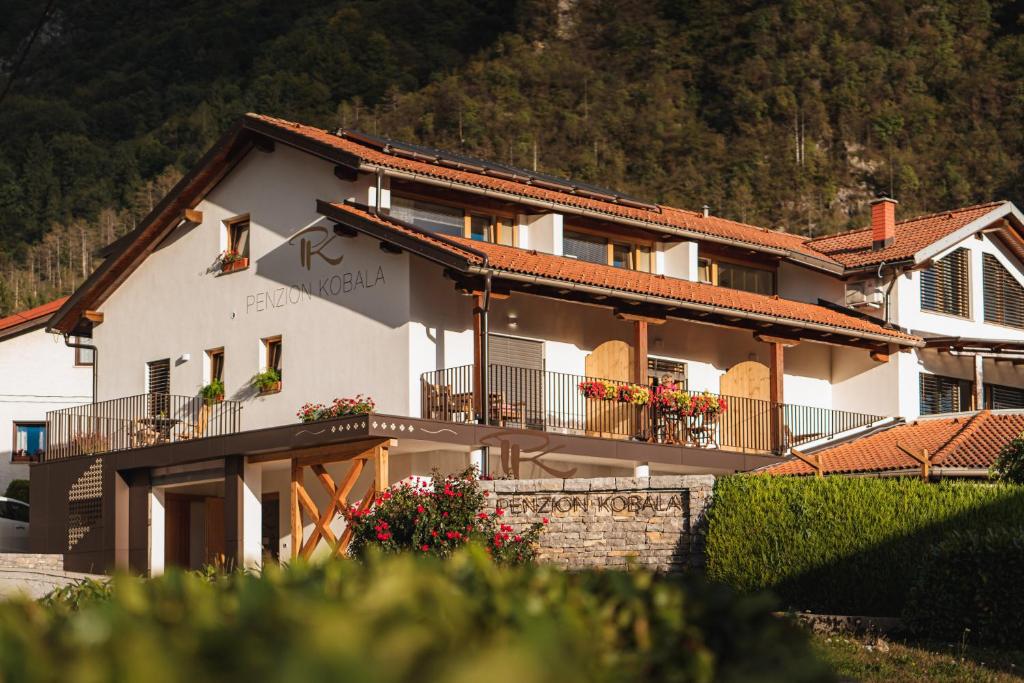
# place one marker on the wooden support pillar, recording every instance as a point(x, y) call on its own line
point(640, 351)
point(296, 514)
point(380, 468)
point(233, 483)
point(813, 461)
point(921, 456)
point(478, 354)
point(979, 382)
point(776, 375)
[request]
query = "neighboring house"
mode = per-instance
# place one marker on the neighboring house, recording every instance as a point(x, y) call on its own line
point(38, 373)
point(964, 445)
point(474, 302)
point(954, 278)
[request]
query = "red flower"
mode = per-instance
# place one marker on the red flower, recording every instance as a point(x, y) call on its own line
point(499, 512)
point(419, 509)
point(424, 548)
point(544, 520)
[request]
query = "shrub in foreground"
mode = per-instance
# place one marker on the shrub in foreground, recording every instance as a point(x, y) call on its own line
point(845, 545)
point(969, 587)
point(436, 517)
point(402, 618)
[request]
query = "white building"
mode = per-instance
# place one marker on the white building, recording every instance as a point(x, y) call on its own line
point(38, 373)
point(471, 300)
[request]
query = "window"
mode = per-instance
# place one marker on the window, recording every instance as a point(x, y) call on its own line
point(215, 358)
point(704, 270)
point(746, 278)
point(83, 357)
point(597, 249)
point(29, 440)
point(158, 384)
point(436, 217)
point(664, 370)
point(238, 236)
point(998, 397)
point(272, 354)
point(1004, 297)
point(13, 510)
point(944, 286)
point(585, 247)
point(944, 394)
point(481, 228)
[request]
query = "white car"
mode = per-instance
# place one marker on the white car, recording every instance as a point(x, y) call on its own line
point(13, 526)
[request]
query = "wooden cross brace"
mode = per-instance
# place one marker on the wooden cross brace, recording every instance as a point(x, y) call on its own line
point(337, 493)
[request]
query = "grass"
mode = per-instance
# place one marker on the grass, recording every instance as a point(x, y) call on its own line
point(875, 659)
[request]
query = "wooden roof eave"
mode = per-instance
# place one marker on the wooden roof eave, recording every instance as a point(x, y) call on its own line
point(692, 311)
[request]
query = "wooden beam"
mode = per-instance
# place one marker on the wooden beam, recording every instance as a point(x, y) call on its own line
point(771, 339)
point(295, 513)
point(640, 352)
point(345, 231)
point(880, 356)
point(346, 535)
point(193, 216)
point(776, 376)
point(346, 173)
point(263, 144)
point(920, 456)
point(380, 474)
point(637, 317)
point(95, 317)
point(813, 461)
point(313, 455)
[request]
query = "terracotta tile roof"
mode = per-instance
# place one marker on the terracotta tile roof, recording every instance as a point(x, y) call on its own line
point(40, 313)
point(853, 248)
point(665, 216)
point(967, 440)
point(529, 262)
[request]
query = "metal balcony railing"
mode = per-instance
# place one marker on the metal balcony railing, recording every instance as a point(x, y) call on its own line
point(553, 401)
point(136, 422)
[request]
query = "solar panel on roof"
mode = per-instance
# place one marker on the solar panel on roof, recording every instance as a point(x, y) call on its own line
point(456, 160)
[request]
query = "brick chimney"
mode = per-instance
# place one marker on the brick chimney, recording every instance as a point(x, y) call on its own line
point(883, 222)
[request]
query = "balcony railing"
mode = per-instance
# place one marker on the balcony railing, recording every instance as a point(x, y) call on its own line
point(552, 401)
point(136, 422)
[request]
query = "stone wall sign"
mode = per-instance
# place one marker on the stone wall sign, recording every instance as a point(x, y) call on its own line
point(654, 522)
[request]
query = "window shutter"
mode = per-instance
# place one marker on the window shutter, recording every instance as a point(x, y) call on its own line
point(1004, 398)
point(944, 286)
point(940, 394)
point(1004, 297)
point(585, 247)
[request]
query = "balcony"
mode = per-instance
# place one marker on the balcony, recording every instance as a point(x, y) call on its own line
point(136, 422)
point(554, 402)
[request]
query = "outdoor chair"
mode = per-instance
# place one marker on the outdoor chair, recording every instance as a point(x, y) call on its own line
point(198, 429)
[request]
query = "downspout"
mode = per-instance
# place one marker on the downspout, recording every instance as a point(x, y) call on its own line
point(377, 204)
point(888, 290)
point(95, 358)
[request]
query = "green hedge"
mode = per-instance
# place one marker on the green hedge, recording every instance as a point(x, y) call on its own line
point(403, 618)
point(971, 586)
point(17, 489)
point(842, 545)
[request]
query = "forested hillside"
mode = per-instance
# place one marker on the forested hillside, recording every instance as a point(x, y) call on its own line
point(784, 114)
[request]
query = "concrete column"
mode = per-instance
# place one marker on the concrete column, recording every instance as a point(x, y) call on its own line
point(120, 518)
point(979, 381)
point(251, 550)
point(642, 469)
point(138, 521)
point(157, 532)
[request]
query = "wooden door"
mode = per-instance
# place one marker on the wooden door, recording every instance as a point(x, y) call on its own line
point(611, 360)
point(177, 521)
point(216, 548)
point(746, 425)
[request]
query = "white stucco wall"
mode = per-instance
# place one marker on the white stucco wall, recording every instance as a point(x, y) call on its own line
point(344, 327)
point(803, 284)
point(37, 374)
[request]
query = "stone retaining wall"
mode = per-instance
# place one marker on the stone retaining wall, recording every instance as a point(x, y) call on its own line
point(34, 575)
point(653, 522)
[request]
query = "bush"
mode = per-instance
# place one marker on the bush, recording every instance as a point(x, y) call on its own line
point(842, 545)
point(1009, 466)
point(18, 490)
point(437, 517)
point(404, 618)
point(969, 587)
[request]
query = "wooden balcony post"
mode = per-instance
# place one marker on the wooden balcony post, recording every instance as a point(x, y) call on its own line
point(979, 382)
point(776, 374)
point(478, 354)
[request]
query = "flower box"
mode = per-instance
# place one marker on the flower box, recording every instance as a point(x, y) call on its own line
point(270, 388)
point(340, 407)
point(232, 266)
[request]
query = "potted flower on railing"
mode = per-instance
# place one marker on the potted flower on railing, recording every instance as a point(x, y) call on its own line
point(213, 392)
point(230, 261)
point(696, 413)
point(267, 382)
point(598, 389)
point(609, 391)
point(340, 407)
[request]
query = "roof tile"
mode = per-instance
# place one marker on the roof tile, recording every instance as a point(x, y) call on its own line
point(37, 313)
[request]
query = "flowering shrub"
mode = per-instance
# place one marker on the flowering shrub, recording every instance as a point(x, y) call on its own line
point(438, 516)
point(340, 407)
point(599, 389)
point(672, 399)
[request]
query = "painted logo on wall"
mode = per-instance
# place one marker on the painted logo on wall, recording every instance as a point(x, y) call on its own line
point(310, 246)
